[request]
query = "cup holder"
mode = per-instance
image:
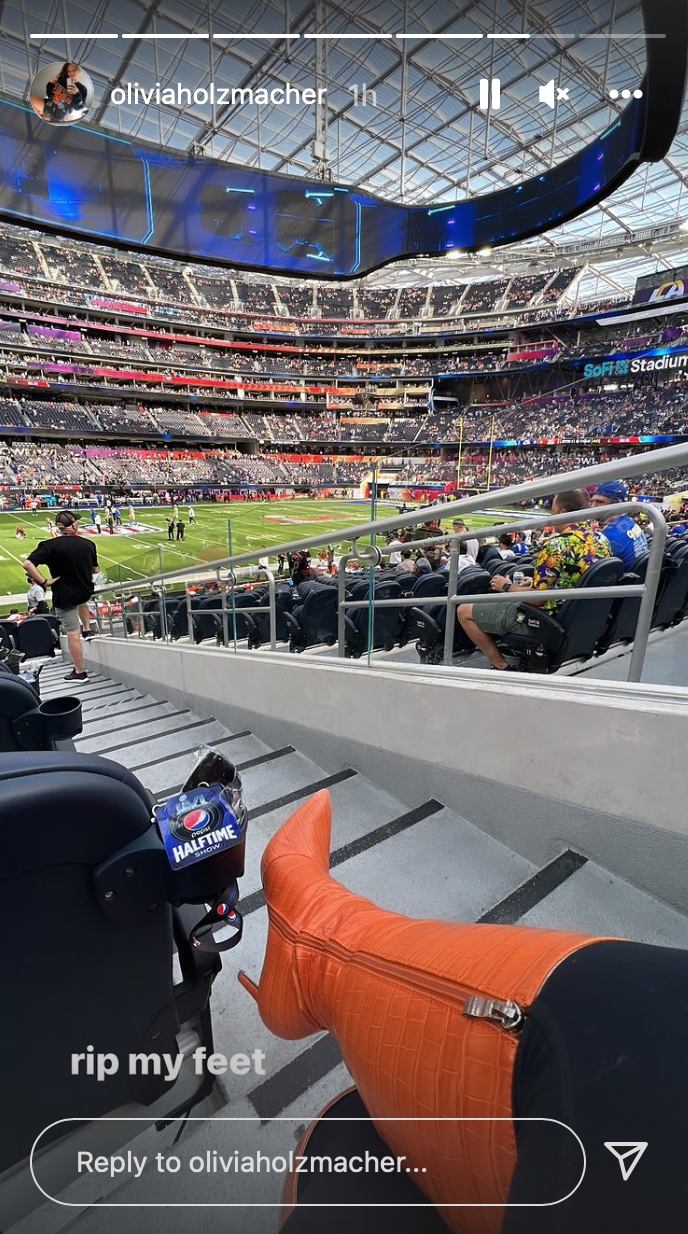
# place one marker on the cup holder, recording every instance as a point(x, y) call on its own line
point(61, 717)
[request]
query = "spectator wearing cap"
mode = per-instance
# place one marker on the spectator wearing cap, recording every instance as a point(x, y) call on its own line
point(626, 539)
point(72, 562)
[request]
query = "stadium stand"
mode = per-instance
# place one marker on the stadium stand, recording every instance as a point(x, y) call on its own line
point(273, 471)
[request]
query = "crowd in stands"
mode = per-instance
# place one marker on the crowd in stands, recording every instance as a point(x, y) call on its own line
point(24, 351)
point(412, 300)
point(167, 289)
point(646, 411)
point(36, 467)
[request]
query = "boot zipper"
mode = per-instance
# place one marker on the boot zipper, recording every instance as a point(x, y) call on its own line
point(508, 1015)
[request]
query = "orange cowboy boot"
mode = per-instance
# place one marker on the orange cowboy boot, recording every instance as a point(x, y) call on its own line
point(426, 1014)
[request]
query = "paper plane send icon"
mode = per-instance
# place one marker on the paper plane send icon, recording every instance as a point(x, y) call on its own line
point(628, 1154)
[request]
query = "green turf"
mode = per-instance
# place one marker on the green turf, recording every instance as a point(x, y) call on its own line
point(254, 526)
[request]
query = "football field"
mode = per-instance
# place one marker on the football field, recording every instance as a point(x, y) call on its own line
point(137, 553)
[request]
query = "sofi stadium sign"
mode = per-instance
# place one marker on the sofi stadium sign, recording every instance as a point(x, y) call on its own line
point(649, 362)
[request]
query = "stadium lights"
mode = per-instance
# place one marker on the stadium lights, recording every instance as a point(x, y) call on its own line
point(684, 225)
point(454, 254)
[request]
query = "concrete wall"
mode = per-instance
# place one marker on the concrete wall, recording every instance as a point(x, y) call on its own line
point(540, 764)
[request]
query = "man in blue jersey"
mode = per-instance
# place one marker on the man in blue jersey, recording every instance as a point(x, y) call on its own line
point(626, 539)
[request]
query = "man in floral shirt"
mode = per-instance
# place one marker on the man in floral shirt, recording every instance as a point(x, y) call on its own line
point(561, 561)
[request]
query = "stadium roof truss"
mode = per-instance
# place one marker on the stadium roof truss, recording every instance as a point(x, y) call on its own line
point(420, 137)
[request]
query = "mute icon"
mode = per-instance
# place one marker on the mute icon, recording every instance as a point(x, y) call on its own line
point(552, 94)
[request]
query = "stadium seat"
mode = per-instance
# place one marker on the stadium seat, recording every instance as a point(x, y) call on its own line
point(623, 618)
point(431, 622)
point(102, 947)
point(35, 637)
point(54, 623)
point(8, 631)
point(489, 556)
point(672, 598)
point(574, 633)
point(496, 565)
point(314, 620)
point(425, 585)
point(26, 723)
point(386, 621)
point(284, 603)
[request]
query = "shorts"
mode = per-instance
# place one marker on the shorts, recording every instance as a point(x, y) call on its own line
point(499, 618)
point(69, 619)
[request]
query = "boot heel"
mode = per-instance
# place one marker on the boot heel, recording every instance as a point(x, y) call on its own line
point(249, 986)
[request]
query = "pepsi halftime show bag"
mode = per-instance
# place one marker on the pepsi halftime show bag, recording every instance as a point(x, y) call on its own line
point(197, 825)
point(206, 822)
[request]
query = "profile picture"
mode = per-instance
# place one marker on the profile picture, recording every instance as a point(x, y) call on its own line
point(62, 93)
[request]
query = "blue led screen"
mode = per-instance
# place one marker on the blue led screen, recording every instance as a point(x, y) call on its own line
point(79, 180)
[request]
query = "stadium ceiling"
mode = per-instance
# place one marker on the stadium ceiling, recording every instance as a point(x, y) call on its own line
point(420, 137)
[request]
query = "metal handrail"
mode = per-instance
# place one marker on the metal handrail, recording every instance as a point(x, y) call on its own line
point(370, 555)
point(652, 460)
point(647, 590)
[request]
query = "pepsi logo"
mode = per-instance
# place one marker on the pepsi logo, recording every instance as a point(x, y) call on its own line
point(196, 820)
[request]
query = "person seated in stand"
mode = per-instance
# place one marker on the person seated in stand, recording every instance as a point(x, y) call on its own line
point(625, 538)
point(407, 565)
point(506, 548)
point(520, 544)
point(301, 569)
point(562, 560)
point(35, 599)
point(472, 546)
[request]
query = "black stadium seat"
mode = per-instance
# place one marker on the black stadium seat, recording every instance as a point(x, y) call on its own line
point(284, 603)
point(315, 619)
point(35, 637)
point(425, 585)
point(102, 970)
point(8, 632)
point(672, 598)
point(574, 633)
point(26, 723)
point(431, 622)
point(386, 621)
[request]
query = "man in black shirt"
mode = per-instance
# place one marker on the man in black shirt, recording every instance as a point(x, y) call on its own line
point(72, 561)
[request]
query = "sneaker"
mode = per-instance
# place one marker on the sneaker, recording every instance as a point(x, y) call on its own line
point(74, 676)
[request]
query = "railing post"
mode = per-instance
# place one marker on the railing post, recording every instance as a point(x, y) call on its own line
point(189, 619)
point(142, 622)
point(225, 616)
point(341, 596)
point(647, 604)
point(272, 596)
point(452, 582)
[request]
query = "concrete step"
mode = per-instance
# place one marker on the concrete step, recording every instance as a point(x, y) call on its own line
point(161, 751)
point(107, 725)
point(160, 726)
point(596, 902)
point(122, 694)
point(119, 705)
point(443, 867)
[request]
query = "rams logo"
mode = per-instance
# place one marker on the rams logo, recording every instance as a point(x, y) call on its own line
point(669, 291)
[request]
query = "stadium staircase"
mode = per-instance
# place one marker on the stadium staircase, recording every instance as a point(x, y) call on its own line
point(422, 859)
